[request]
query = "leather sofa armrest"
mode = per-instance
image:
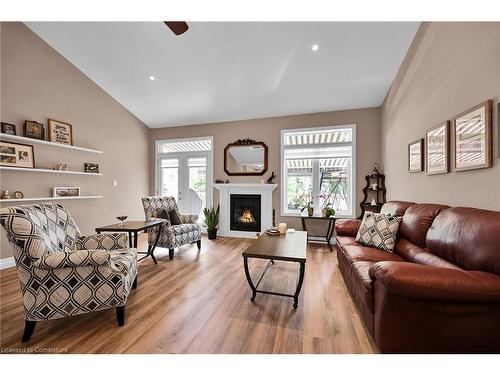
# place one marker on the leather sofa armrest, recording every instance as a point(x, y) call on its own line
point(426, 282)
point(78, 258)
point(347, 227)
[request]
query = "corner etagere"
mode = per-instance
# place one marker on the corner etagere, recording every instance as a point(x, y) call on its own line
point(19, 139)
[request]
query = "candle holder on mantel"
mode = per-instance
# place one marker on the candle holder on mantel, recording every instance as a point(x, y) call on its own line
point(374, 190)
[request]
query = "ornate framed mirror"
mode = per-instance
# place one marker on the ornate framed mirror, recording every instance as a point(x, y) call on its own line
point(245, 157)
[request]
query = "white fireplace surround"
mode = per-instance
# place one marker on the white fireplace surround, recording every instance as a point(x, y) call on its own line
point(266, 204)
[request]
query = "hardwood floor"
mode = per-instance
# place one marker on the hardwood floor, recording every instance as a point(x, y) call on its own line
point(199, 303)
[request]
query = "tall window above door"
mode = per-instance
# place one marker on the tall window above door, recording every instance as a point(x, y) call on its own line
point(184, 171)
point(318, 165)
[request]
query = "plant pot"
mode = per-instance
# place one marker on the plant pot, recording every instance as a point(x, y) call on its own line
point(324, 212)
point(310, 211)
point(212, 233)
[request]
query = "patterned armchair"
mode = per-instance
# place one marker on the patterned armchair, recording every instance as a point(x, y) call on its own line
point(171, 236)
point(63, 273)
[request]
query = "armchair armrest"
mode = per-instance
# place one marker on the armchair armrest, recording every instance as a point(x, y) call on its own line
point(76, 258)
point(188, 219)
point(427, 282)
point(347, 227)
point(104, 241)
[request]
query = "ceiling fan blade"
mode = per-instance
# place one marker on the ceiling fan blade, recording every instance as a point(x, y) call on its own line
point(178, 27)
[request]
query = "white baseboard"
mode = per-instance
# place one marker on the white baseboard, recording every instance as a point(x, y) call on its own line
point(7, 263)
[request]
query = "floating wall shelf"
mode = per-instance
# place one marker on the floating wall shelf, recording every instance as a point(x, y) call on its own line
point(17, 138)
point(40, 170)
point(49, 199)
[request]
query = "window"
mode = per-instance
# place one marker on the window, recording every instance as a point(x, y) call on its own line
point(318, 166)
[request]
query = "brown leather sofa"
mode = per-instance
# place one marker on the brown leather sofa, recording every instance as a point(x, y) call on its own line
point(439, 292)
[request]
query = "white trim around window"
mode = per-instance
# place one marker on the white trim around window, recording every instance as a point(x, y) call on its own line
point(351, 181)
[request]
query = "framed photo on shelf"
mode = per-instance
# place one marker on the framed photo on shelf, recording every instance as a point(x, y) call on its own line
point(416, 156)
point(60, 132)
point(33, 129)
point(16, 155)
point(8, 128)
point(65, 191)
point(91, 168)
point(437, 149)
point(472, 138)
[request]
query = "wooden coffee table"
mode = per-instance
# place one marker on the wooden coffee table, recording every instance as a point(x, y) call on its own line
point(133, 228)
point(290, 247)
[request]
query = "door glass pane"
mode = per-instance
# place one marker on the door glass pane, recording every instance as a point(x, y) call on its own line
point(169, 177)
point(197, 184)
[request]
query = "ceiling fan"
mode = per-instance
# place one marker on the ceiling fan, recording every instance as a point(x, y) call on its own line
point(177, 27)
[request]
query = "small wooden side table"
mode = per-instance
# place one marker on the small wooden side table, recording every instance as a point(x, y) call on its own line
point(133, 228)
point(329, 232)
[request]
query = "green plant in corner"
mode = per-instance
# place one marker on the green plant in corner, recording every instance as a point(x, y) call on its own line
point(310, 208)
point(211, 221)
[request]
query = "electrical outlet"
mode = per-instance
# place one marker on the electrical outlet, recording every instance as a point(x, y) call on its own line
point(115, 183)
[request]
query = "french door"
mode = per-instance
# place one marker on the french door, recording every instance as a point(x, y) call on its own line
point(187, 176)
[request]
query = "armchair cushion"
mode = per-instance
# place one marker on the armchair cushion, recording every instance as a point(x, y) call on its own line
point(426, 282)
point(76, 258)
point(105, 241)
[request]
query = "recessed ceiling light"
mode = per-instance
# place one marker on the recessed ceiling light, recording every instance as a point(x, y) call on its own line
point(315, 47)
point(152, 78)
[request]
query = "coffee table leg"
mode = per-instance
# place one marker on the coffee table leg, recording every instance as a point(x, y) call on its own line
point(130, 244)
point(136, 234)
point(151, 251)
point(249, 279)
point(299, 285)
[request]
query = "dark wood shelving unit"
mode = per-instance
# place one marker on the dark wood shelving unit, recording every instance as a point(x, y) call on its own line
point(369, 193)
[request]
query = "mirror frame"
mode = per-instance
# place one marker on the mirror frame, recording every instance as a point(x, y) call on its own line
point(243, 143)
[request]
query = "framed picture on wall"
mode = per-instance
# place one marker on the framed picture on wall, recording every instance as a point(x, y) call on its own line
point(472, 138)
point(16, 155)
point(60, 132)
point(416, 156)
point(437, 149)
point(33, 129)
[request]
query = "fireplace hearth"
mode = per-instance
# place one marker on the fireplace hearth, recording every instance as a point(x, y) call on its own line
point(245, 212)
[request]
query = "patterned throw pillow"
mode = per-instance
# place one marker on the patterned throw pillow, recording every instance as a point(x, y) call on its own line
point(378, 230)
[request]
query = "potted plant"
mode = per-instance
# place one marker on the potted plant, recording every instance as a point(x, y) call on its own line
point(328, 210)
point(310, 208)
point(211, 221)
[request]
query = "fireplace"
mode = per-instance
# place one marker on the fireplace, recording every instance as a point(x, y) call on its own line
point(245, 212)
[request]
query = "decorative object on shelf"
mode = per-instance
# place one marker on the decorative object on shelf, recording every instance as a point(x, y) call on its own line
point(372, 195)
point(473, 138)
point(416, 156)
point(227, 181)
point(91, 167)
point(122, 219)
point(35, 130)
point(219, 181)
point(271, 178)
point(437, 149)
point(60, 132)
point(65, 191)
point(16, 155)
point(282, 228)
point(211, 221)
point(59, 167)
point(8, 128)
point(376, 169)
point(245, 157)
point(18, 195)
point(310, 208)
point(5, 195)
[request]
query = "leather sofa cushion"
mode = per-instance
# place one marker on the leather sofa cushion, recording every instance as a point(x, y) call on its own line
point(468, 237)
point(396, 208)
point(345, 241)
point(417, 220)
point(415, 254)
point(356, 253)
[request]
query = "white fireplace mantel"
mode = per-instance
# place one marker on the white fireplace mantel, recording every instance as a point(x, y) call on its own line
point(266, 200)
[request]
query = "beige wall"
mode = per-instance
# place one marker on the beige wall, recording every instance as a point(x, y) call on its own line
point(449, 68)
point(38, 83)
point(268, 130)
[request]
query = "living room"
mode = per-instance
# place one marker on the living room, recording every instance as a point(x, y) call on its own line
point(172, 187)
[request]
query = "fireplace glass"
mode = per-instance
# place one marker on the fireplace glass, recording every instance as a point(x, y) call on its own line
point(245, 212)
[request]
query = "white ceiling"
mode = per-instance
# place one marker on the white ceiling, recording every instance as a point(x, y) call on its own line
point(224, 71)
